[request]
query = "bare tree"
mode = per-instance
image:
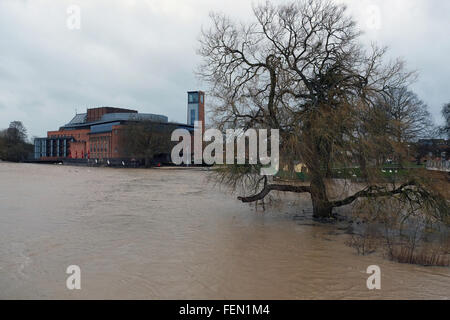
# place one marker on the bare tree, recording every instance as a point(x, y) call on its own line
point(409, 116)
point(445, 129)
point(13, 142)
point(407, 120)
point(16, 132)
point(299, 68)
point(146, 139)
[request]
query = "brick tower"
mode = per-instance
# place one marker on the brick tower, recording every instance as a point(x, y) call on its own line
point(196, 107)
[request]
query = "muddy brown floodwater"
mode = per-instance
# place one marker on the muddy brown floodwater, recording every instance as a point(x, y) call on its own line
point(170, 234)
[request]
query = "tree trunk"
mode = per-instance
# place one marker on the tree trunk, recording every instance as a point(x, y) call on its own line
point(363, 166)
point(321, 206)
point(147, 162)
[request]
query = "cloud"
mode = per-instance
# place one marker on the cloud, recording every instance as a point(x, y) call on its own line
point(141, 53)
point(415, 30)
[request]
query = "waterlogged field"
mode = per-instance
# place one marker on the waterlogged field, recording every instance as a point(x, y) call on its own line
point(171, 234)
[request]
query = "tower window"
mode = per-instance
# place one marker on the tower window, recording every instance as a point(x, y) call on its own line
point(193, 97)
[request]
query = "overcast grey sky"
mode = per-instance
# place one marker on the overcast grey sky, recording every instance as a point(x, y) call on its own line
point(141, 53)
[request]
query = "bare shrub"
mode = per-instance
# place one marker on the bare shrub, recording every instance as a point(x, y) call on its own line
point(426, 255)
point(405, 233)
point(364, 244)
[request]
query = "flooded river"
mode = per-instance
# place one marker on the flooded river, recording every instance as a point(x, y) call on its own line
point(170, 234)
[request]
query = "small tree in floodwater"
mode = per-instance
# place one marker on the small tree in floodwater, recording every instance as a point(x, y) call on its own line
point(300, 68)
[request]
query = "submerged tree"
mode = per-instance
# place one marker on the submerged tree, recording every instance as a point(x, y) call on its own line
point(300, 68)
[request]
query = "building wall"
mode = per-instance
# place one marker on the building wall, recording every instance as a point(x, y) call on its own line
point(77, 149)
point(82, 134)
point(100, 146)
point(95, 114)
point(117, 137)
point(105, 145)
point(201, 109)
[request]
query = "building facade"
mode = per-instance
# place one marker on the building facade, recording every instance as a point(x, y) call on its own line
point(98, 133)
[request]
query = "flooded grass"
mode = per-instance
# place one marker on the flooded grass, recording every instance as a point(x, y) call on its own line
point(426, 256)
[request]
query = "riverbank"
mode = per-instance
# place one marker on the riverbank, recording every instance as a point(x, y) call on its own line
point(171, 234)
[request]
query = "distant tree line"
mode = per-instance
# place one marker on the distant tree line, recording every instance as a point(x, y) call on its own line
point(13, 143)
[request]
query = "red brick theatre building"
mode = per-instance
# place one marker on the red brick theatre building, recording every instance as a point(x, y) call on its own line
point(97, 134)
